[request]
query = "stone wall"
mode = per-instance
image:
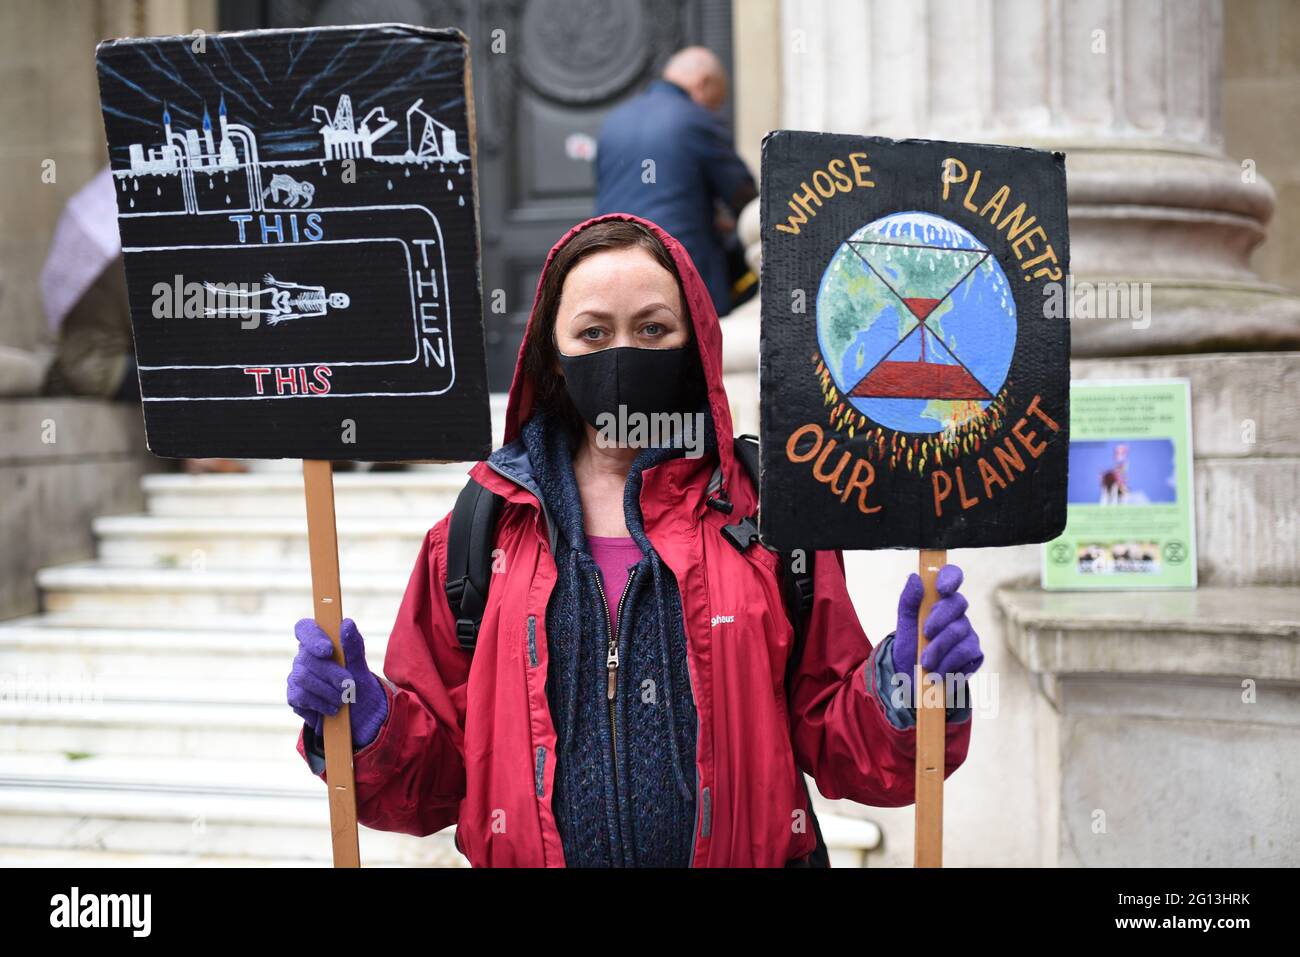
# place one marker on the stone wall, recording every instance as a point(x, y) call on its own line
point(62, 462)
point(1161, 715)
point(49, 111)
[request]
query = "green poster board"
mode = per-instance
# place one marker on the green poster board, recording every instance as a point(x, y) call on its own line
point(1130, 513)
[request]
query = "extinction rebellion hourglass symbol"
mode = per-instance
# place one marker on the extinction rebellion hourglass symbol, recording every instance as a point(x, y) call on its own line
point(920, 378)
point(916, 323)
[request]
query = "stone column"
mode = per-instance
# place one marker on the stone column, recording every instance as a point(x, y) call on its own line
point(1150, 715)
point(1130, 89)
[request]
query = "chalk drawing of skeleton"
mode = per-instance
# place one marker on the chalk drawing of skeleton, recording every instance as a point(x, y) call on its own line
point(292, 188)
point(277, 301)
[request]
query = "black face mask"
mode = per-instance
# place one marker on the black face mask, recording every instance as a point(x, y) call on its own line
point(644, 380)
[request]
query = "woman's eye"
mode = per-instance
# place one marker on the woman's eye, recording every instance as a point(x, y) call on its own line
point(653, 329)
point(592, 333)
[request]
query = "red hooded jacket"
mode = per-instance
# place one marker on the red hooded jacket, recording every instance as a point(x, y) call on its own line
point(470, 741)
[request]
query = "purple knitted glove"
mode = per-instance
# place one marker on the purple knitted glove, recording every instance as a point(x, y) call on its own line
point(316, 682)
point(954, 647)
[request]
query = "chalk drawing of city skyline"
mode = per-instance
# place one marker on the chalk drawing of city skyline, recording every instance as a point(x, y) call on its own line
point(230, 147)
point(231, 129)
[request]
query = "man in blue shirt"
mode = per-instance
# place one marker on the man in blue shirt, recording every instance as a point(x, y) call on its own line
point(664, 156)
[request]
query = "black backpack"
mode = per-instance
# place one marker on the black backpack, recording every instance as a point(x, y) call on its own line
point(469, 573)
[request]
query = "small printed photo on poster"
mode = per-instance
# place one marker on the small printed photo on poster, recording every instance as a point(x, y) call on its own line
point(1118, 558)
point(1123, 472)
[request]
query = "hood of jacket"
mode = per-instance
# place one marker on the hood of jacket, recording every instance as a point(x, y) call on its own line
point(704, 322)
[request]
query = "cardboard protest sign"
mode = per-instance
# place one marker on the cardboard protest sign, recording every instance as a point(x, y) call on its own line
point(298, 215)
point(303, 267)
point(915, 343)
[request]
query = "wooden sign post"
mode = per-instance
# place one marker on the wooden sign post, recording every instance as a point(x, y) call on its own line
point(929, 729)
point(327, 602)
point(299, 220)
point(914, 363)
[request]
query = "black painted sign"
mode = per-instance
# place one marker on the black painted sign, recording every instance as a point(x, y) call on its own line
point(915, 343)
point(298, 214)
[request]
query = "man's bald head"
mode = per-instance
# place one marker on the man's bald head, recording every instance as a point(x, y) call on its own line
point(699, 72)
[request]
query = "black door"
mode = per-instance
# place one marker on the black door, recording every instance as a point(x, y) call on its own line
point(545, 74)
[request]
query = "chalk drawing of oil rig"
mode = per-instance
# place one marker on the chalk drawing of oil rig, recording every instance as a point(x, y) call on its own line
point(437, 140)
point(343, 138)
point(231, 147)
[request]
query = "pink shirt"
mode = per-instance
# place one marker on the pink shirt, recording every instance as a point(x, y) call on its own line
point(615, 556)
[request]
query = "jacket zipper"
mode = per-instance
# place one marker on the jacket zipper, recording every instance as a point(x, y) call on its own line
point(611, 668)
point(699, 722)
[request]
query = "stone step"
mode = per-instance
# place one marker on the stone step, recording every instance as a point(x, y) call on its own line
point(13, 856)
point(849, 840)
point(149, 690)
point(285, 777)
point(1205, 633)
point(91, 688)
point(420, 497)
point(61, 672)
point(190, 808)
point(209, 542)
point(269, 599)
point(36, 633)
point(167, 729)
point(40, 647)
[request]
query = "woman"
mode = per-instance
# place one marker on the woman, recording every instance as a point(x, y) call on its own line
point(626, 703)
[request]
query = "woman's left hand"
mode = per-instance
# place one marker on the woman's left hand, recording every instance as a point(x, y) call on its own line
point(954, 647)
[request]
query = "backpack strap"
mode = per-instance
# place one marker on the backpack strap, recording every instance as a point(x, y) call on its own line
point(469, 558)
point(796, 566)
point(743, 533)
point(797, 589)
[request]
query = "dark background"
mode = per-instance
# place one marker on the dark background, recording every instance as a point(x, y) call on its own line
point(567, 64)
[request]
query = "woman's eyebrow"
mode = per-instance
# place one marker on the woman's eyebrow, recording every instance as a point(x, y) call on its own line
point(644, 310)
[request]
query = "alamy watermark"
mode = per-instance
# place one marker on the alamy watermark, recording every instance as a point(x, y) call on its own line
point(77, 909)
point(1084, 299)
point(684, 430)
point(979, 691)
point(212, 300)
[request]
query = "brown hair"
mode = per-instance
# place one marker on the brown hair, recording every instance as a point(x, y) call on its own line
point(539, 357)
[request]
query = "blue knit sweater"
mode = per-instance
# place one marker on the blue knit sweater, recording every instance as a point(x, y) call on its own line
point(625, 781)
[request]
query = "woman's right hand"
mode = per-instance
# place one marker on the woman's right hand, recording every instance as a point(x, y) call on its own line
point(318, 685)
